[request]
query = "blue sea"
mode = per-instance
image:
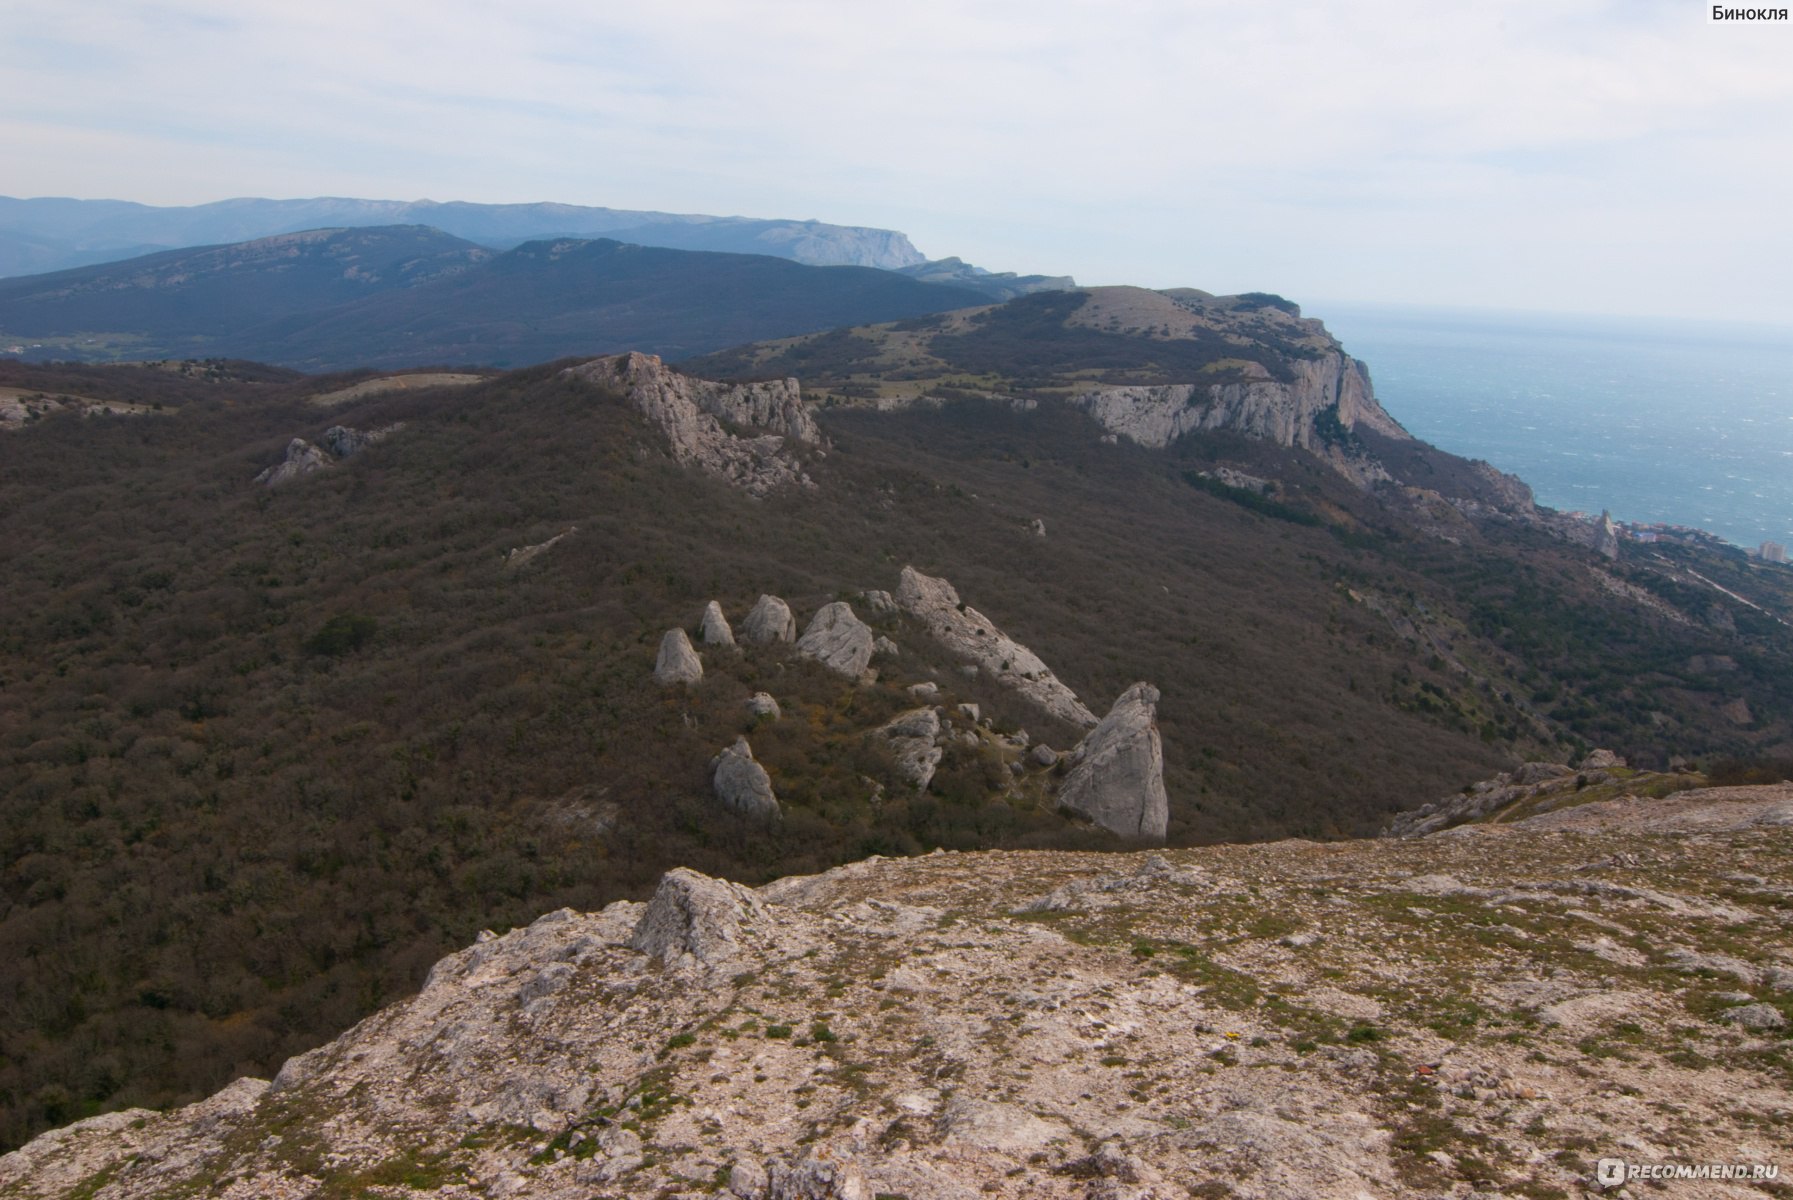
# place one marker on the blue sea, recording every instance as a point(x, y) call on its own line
point(1689, 423)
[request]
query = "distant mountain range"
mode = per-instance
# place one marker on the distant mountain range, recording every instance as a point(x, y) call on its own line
point(404, 295)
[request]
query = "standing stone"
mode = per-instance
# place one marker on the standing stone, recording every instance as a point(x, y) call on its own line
point(715, 626)
point(1117, 776)
point(678, 662)
point(838, 640)
point(742, 784)
point(1039, 528)
point(770, 621)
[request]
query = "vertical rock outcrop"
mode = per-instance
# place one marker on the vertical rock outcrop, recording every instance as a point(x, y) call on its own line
point(1117, 772)
point(913, 737)
point(770, 621)
point(699, 418)
point(677, 662)
point(971, 635)
point(715, 626)
point(695, 922)
point(742, 784)
point(838, 640)
point(302, 458)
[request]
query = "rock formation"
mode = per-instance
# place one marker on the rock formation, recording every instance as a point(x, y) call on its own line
point(742, 784)
point(521, 556)
point(1606, 536)
point(913, 738)
point(677, 662)
point(971, 635)
point(1533, 787)
point(913, 1027)
point(761, 704)
point(698, 418)
point(769, 621)
point(1331, 389)
point(1117, 772)
point(715, 630)
point(838, 640)
point(302, 458)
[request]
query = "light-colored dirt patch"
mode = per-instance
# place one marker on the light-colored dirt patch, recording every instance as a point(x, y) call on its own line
point(393, 383)
point(20, 406)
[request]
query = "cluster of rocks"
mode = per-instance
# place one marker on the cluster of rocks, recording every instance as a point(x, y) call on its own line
point(304, 458)
point(1269, 1022)
point(1535, 784)
point(699, 419)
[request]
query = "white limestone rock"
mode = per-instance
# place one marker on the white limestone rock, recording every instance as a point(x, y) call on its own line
point(762, 704)
point(769, 621)
point(972, 636)
point(677, 662)
point(695, 922)
point(302, 459)
point(1117, 773)
point(715, 629)
point(741, 784)
point(838, 640)
point(913, 738)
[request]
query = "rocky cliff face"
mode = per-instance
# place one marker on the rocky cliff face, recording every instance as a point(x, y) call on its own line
point(1332, 388)
point(1484, 1012)
point(696, 416)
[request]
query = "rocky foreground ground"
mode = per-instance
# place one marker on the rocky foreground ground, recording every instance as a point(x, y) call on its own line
point(1485, 1012)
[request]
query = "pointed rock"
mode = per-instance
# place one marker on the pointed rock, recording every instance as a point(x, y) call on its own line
point(1117, 776)
point(742, 784)
point(302, 458)
point(695, 922)
point(677, 661)
point(838, 640)
point(715, 626)
point(770, 621)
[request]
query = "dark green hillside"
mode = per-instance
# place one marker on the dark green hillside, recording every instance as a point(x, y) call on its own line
point(264, 754)
point(184, 301)
point(546, 300)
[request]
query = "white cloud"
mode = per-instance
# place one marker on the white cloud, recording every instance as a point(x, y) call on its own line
point(1385, 150)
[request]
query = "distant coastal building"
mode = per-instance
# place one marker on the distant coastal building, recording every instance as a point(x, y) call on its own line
point(1773, 552)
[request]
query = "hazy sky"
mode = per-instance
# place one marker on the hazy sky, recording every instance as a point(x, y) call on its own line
point(1567, 154)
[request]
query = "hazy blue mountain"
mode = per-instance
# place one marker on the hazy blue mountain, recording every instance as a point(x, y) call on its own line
point(52, 233)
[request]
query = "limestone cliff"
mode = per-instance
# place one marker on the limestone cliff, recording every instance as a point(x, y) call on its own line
point(696, 416)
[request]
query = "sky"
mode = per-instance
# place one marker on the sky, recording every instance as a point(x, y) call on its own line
point(1563, 155)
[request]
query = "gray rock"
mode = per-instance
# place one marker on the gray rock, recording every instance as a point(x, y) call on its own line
point(1606, 536)
point(1039, 528)
point(912, 736)
point(884, 646)
point(761, 704)
point(747, 1181)
point(1043, 755)
point(972, 636)
point(924, 691)
point(1755, 1016)
point(1117, 779)
point(677, 661)
point(1543, 772)
point(715, 626)
point(769, 621)
point(969, 711)
point(880, 602)
point(344, 442)
point(1597, 760)
point(742, 784)
point(302, 458)
point(695, 922)
point(838, 640)
point(699, 417)
point(819, 1175)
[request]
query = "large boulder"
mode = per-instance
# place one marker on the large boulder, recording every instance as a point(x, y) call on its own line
point(1117, 773)
point(838, 640)
point(769, 621)
point(913, 738)
point(742, 784)
point(677, 661)
point(715, 626)
point(695, 922)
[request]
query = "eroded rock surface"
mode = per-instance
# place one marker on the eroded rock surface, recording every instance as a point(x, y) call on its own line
point(1117, 772)
point(302, 459)
point(769, 621)
point(972, 636)
point(699, 419)
point(677, 661)
point(741, 784)
point(838, 640)
point(914, 742)
point(715, 628)
point(1056, 1026)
